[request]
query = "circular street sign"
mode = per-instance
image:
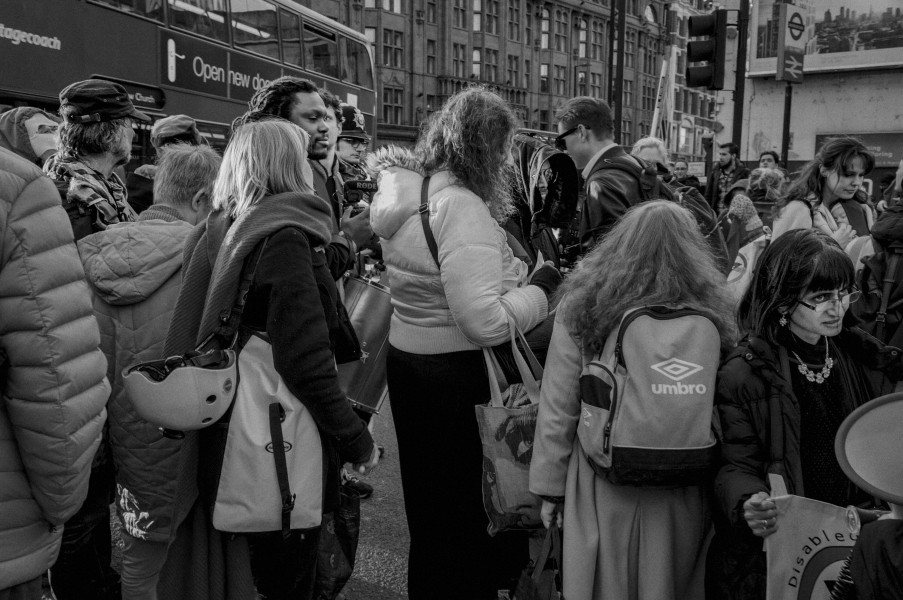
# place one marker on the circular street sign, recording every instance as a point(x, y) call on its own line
point(796, 26)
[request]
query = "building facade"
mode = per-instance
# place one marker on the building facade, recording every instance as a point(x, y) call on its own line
point(537, 54)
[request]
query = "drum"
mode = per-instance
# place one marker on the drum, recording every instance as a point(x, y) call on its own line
point(370, 310)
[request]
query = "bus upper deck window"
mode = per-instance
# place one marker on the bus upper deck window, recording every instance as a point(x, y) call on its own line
point(203, 17)
point(356, 63)
point(151, 10)
point(321, 52)
point(254, 27)
point(291, 37)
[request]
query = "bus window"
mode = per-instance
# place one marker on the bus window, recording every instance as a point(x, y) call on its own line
point(203, 17)
point(254, 27)
point(356, 63)
point(291, 37)
point(321, 52)
point(217, 135)
point(152, 9)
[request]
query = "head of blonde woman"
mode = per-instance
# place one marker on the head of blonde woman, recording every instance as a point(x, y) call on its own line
point(471, 137)
point(654, 255)
point(264, 158)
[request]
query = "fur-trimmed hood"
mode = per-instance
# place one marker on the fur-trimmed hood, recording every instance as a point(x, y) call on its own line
point(399, 174)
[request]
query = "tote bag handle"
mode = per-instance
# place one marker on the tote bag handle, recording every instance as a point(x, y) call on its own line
point(531, 383)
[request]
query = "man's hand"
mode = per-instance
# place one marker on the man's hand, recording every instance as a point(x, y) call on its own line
point(367, 467)
point(357, 228)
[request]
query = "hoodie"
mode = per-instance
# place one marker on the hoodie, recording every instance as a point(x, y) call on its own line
point(467, 302)
point(14, 135)
point(135, 270)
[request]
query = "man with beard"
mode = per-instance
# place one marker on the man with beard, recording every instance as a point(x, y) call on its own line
point(95, 138)
point(725, 174)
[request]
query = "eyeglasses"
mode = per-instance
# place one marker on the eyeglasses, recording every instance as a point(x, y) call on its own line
point(559, 139)
point(844, 299)
point(356, 144)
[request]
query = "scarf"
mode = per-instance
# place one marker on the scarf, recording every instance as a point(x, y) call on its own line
point(215, 253)
point(90, 189)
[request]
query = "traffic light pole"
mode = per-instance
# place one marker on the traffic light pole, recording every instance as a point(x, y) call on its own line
point(740, 84)
point(785, 135)
point(619, 77)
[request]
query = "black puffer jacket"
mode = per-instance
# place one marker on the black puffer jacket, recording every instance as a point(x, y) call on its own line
point(754, 378)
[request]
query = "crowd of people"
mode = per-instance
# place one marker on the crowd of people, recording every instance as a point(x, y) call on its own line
point(202, 262)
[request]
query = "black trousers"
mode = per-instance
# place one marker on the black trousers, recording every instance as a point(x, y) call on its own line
point(451, 555)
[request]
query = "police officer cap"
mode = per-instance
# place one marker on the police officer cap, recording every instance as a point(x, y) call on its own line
point(353, 123)
point(97, 100)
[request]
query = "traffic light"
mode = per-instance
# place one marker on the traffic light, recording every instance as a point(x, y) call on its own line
point(711, 49)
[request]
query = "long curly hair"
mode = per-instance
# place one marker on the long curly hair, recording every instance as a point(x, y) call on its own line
point(655, 255)
point(837, 154)
point(471, 137)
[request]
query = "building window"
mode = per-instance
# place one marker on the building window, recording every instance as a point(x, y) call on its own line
point(526, 85)
point(392, 103)
point(459, 51)
point(561, 30)
point(477, 15)
point(628, 92)
point(544, 29)
point(630, 50)
point(477, 66)
point(528, 25)
point(430, 12)
point(626, 132)
point(598, 41)
point(491, 22)
point(514, 20)
point(595, 85)
point(581, 83)
point(561, 80)
point(432, 104)
point(459, 14)
point(582, 35)
point(544, 119)
point(513, 69)
point(492, 65)
point(392, 6)
point(544, 77)
point(369, 3)
point(431, 57)
point(393, 48)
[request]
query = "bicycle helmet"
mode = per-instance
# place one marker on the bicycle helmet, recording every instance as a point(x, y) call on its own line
point(183, 393)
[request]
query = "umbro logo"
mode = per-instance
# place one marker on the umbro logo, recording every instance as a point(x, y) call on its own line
point(676, 369)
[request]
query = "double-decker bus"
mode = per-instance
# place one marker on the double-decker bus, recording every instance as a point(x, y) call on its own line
point(203, 58)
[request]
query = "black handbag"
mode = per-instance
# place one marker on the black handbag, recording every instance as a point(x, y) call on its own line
point(339, 537)
point(541, 580)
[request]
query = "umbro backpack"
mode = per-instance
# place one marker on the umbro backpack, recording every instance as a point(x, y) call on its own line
point(647, 400)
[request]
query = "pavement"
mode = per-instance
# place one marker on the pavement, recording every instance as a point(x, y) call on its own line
point(382, 554)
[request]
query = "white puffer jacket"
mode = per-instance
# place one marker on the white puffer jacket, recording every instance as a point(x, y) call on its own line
point(467, 303)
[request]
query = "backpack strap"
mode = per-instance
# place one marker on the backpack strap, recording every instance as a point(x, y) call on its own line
point(231, 320)
point(277, 416)
point(890, 278)
point(424, 211)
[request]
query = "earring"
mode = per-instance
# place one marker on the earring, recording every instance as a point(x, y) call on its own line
point(783, 320)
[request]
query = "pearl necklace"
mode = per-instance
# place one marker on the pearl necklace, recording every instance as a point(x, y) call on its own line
point(821, 376)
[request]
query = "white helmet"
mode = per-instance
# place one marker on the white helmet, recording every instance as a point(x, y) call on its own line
point(176, 394)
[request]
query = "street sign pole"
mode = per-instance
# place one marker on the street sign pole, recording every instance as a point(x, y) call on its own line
point(785, 136)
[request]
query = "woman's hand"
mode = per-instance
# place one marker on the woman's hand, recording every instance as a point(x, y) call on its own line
point(844, 235)
point(549, 511)
point(761, 514)
point(547, 277)
point(367, 467)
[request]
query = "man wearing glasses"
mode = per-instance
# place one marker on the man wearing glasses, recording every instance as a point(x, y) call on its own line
point(585, 132)
point(353, 143)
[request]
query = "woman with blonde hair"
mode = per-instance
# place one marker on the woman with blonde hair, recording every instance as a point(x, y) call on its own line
point(449, 302)
point(624, 541)
point(263, 196)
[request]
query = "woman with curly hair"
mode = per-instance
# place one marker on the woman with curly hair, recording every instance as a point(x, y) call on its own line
point(827, 195)
point(623, 541)
point(448, 304)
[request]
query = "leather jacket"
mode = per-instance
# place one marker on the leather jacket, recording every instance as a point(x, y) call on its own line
point(609, 193)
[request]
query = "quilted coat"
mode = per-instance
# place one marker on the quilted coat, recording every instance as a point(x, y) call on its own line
point(54, 390)
point(135, 270)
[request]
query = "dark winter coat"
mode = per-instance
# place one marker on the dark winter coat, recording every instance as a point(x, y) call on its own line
point(713, 189)
point(753, 379)
point(609, 193)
